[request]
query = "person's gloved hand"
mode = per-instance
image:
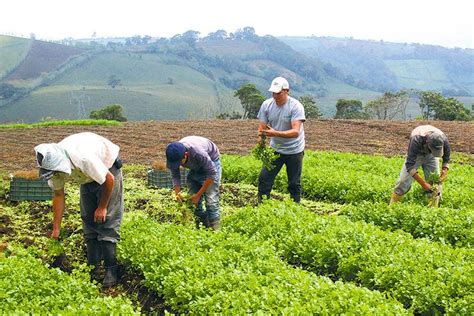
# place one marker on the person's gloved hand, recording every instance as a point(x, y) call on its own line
point(179, 197)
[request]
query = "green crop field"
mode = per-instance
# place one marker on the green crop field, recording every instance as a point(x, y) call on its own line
point(343, 250)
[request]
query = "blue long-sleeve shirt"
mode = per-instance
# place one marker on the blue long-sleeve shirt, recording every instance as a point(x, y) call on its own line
point(201, 154)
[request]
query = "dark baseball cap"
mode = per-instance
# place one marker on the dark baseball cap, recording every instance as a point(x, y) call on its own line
point(174, 154)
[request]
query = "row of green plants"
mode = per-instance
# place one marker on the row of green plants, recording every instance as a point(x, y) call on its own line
point(28, 286)
point(426, 277)
point(445, 225)
point(59, 123)
point(351, 178)
point(161, 207)
point(201, 272)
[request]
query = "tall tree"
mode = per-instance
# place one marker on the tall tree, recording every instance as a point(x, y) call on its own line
point(434, 106)
point(251, 99)
point(311, 110)
point(428, 101)
point(349, 109)
point(388, 106)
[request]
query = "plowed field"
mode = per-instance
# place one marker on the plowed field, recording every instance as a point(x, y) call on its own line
point(144, 142)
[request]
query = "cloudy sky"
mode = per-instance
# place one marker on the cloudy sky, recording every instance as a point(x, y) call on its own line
point(438, 22)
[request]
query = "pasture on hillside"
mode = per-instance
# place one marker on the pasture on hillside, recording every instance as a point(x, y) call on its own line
point(343, 250)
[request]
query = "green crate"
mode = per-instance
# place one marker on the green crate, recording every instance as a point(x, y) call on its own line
point(162, 178)
point(29, 190)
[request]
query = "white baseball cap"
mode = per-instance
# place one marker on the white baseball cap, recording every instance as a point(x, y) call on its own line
point(278, 84)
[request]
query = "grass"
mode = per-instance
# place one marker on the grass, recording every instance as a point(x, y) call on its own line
point(13, 51)
point(145, 91)
point(59, 123)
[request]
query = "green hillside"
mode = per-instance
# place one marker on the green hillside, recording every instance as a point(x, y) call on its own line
point(148, 89)
point(12, 51)
point(192, 77)
point(383, 65)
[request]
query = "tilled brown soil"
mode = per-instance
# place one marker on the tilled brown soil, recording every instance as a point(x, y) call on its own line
point(145, 141)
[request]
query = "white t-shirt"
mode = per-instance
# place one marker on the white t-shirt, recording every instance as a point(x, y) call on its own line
point(91, 156)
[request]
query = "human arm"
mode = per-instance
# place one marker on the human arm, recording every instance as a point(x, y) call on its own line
point(177, 191)
point(107, 187)
point(446, 160)
point(425, 185)
point(444, 174)
point(58, 210)
point(197, 196)
point(291, 133)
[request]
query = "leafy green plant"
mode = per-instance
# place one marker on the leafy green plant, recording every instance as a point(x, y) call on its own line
point(28, 286)
point(60, 123)
point(201, 272)
point(426, 277)
point(264, 153)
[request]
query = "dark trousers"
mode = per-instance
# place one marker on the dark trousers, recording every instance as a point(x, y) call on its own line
point(90, 195)
point(294, 166)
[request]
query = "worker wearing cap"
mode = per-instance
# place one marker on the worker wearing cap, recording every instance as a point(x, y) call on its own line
point(202, 157)
point(426, 144)
point(281, 118)
point(93, 161)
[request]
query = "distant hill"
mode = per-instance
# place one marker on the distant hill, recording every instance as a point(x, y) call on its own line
point(189, 77)
point(385, 66)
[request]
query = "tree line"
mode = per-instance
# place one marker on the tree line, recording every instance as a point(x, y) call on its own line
point(391, 105)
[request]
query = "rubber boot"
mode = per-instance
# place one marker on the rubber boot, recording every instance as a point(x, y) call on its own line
point(202, 222)
point(395, 198)
point(215, 224)
point(94, 256)
point(109, 250)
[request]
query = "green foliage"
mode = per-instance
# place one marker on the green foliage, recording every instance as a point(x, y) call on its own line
point(8, 90)
point(111, 112)
point(311, 110)
point(351, 178)
point(201, 272)
point(251, 99)
point(426, 277)
point(389, 106)
point(445, 225)
point(349, 109)
point(434, 106)
point(265, 153)
point(28, 286)
point(60, 123)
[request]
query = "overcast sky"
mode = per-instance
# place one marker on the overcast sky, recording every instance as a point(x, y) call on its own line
point(438, 22)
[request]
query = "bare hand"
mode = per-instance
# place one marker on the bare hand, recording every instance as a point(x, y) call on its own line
point(195, 199)
point(268, 132)
point(427, 186)
point(179, 197)
point(444, 174)
point(100, 215)
point(55, 234)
